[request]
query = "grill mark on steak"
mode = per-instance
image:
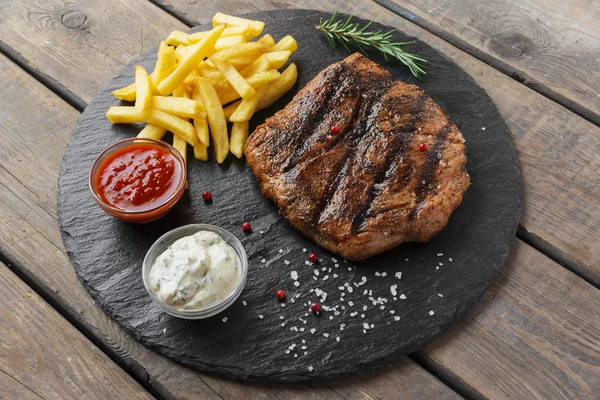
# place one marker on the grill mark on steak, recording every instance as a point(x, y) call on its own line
point(343, 79)
point(399, 143)
point(358, 130)
point(425, 183)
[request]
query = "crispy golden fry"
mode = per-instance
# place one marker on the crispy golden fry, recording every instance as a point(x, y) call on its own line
point(236, 80)
point(165, 64)
point(178, 38)
point(240, 50)
point(181, 52)
point(247, 107)
point(216, 118)
point(239, 134)
point(277, 58)
point(230, 109)
point(256, 27)
point(229, 31)
point(260, 65)
point(182, 91)
point(215, 77)
point(200, 124)
point(201, 152)
point(188, 63)
point(143, 89)
point(181, 146)
point(279, 87)
point(243, 62)
point(287, 43)
point(267, 40)
point(182, 107)
point(152, 132)
point(256, 81)
point(123, 115)
point(229, 41)
point(177, 125)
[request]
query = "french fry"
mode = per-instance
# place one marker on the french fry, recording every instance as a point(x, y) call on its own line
point(260, 65)
point(287, 43)
point(239, 134)
point(279, 87)
point(240, 50)
point(200, 152)
point(123, 115)
point(256, 27)
point(165, 64)
point(177, 125)
point(216, 118)
point(267, 40)
point(143, 89)
point(230, 109)
point(243, 62)
point(229, 41)
point(200, 124)
point(190, 61)
point(277, 59)
point(181, 52)
point(236, 80)
point(215, 77)
point(181, 146)
point(182, 91)
point(247, 107)
point(229, 31)
point(178, 38)
point(256, 81)
point(182, 107)
point(152, 132)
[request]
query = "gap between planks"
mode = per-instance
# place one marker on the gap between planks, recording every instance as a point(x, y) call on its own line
point(495, 63)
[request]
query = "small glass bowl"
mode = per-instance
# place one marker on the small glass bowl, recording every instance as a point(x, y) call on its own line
point(142, 216)
point(169, 238)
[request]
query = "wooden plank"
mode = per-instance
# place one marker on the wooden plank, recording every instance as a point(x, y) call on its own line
point(550, 45)
point(559, 152)
point(43, 356)
point(79, 46)
point(535, 335)
point(33, 242)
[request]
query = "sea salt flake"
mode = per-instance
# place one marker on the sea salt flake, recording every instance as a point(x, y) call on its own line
point(281, 317)
point(377, 273)
point(364, 331)
point(302, 329)
point(263, 261)
point(280, 250)
point(365, 325)
point(349, 268)
point(450, 259)
point(340, 287)
point(393, 290)
point(326, 277)
point(287, 352)
point(315, 278)
point(261, 316)
point(310, 368)
point(295, 355)
point(392, 312)
point(431, 312)
point(335, 275)
point(403, 296)
point(437, 267)
point(372, 326)
point(260, 232)
point(326, 334)
point(399, 275)
point(382, 307)
point(365, 308)
point(362, 315)
point(350, 303)
point(331, 317)
point(313, 330)
point(440, 254)
point(365, 292)
point(350, 290)
point(333, 259)
point(282, 305)
point(306, 352)
point(294, 275)
point(324, 269)
point(396, 318)
point(337, 338)
point(224, 319)
point(307, 262)
point(384, 274)
point(286, 262)
point(303, 347)
point(353, 314)
point(304, 250)
point(441, 295)
point(296, 283)
point(483, 128)
point(244, 302)
point(316, 272)
point(303, 341)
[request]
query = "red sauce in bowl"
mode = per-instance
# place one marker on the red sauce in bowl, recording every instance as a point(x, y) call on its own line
point(138, 180)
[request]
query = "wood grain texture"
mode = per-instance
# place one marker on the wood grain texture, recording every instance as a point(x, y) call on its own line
point(33, 242)
point(549, 45)
point(536, 336)
point(79, 46)
point(43, 356)
point(559, 151)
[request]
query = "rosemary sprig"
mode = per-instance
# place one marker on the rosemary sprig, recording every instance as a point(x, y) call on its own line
point(348, 34)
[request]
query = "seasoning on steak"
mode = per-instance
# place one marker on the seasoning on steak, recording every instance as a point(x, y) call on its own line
point(368, 187)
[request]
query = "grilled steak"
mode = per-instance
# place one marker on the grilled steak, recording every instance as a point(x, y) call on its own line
point(367, 185)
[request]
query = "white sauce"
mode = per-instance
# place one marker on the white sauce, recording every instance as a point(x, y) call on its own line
point(195, 271)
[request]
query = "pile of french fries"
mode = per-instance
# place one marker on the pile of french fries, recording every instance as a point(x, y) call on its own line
point(202, 81)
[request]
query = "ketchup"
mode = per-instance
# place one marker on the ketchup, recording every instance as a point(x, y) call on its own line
point(138, 177)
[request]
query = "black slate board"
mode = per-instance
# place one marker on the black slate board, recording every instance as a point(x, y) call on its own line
point(460, 263)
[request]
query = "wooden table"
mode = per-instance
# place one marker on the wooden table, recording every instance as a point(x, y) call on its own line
point(536, 334)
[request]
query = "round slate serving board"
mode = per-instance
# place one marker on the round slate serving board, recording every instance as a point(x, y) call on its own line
point(264, 340)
